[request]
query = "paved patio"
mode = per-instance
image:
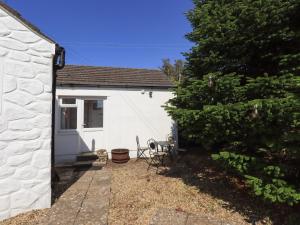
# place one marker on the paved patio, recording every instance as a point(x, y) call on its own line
point(85, 202)
point(85, 198)
point(173, 217)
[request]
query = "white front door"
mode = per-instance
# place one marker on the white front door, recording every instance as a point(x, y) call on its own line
point(91, 134)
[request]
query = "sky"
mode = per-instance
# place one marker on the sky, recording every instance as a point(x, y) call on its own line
point(119, 33)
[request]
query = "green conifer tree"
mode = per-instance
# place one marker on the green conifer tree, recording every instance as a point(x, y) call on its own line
point(241, 91)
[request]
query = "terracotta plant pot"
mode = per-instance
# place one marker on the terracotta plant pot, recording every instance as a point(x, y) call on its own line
point(120, 155)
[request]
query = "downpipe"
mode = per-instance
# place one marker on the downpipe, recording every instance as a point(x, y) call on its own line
point(58, 64)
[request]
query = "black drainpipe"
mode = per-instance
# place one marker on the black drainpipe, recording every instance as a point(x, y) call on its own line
point(58, 64)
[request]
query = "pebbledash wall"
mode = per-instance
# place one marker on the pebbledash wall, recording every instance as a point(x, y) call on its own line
point(26, 62)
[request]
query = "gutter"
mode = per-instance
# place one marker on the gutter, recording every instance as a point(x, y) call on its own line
point(58, 64)
point(129, 86)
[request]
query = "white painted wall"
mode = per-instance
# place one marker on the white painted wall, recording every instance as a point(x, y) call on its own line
point(25, 118)
point(127, 113)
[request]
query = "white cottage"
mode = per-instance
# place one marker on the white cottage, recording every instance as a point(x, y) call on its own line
point(27, 64)
point(85, 109)
point(106, 108)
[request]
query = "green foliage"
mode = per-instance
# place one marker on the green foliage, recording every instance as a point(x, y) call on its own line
point(235, 162)
point(276, 191)
point(238, 122)
point(241, 90)
point(265, 180)
point(273, 171)
point(250, 37)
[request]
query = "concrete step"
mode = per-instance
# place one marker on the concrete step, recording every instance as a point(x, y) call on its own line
point(88, 164)
point(87, 156)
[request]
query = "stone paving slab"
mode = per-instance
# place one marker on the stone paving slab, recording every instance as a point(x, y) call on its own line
point(85, 202)
point(173, 217)
point(95, 207)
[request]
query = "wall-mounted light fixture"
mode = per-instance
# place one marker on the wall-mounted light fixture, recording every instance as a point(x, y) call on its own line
point(150, 94)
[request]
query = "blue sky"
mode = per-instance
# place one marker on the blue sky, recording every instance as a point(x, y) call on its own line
point(125, 33)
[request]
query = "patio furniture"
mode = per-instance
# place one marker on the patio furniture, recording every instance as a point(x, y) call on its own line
point(156, 157)
point(174, 149)
point(141, 151)
point(164, 145)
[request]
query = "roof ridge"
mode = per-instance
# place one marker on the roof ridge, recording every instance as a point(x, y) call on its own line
point(112, 67)
point(112, 76)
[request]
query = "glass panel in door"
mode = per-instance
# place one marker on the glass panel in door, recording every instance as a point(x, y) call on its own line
point(92, 137)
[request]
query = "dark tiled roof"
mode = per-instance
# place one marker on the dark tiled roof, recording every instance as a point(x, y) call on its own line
point(110, 76)
point(19, 17)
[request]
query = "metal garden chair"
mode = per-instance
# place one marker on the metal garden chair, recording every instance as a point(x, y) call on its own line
point(141, 151)
point(156, 157)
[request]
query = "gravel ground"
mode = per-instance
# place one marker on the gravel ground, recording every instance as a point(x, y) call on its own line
point(30, 218)
point(192, 186)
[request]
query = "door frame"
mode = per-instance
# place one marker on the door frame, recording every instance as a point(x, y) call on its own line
point(80, 114)
point(80, 130)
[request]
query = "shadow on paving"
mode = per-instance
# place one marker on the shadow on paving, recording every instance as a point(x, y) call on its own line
point(66, 177)
point(82, 198)
point(199, 170)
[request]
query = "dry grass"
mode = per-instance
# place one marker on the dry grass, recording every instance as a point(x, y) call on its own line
point(30, 218)
point(137, 194)
point(193, 187)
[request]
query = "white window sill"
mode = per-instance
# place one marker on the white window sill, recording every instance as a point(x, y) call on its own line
point(92, 129)
point(67, 132)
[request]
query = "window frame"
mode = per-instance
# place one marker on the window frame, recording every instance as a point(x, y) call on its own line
point(61, 106)
point(94, 128)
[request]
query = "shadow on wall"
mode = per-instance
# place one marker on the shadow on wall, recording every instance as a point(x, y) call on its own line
point(69, 175)
point(74, 141)
point(93, 145)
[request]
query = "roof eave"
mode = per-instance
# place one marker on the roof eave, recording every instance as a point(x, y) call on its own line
point(116, 85)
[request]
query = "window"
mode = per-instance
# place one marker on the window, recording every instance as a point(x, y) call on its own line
point(93, 113)
point(68, 114)
point(68, 101)
point(68, 118)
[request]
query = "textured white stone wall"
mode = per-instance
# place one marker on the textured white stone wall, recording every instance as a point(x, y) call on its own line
point(25, 118)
